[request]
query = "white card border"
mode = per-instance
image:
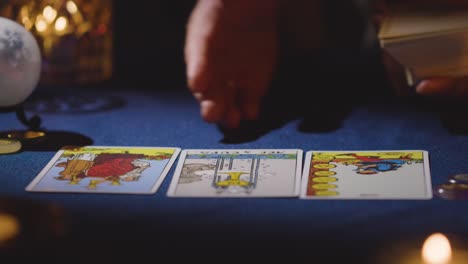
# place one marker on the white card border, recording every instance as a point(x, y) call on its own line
point(30, 187)
point(426, 168)
point(171, 192)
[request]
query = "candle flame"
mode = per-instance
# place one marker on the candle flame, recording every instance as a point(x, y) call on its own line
point(436, 249)
point(9, 227)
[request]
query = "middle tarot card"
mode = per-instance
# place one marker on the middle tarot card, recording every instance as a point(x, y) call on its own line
point(237, 173)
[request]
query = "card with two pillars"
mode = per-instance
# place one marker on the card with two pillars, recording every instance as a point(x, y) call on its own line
point(237, 173)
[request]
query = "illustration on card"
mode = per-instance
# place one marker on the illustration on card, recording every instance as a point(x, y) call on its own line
point(329, 170)
point(236, 172)
point(106, 169)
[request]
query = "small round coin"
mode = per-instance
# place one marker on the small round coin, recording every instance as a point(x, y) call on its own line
point(452, 191)
point(459, 178)
point(8, 146)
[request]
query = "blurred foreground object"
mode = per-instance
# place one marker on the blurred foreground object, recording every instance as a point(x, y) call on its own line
point(75, 37)
point(427, 42)
point(28, 227)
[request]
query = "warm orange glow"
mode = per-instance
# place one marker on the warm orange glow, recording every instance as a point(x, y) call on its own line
point(41, 24)
point(437, 250)
point(71, 7)
point(28, 24)
point(24, 11)
point(61, 24)
point(9, 227)
point(49, 14)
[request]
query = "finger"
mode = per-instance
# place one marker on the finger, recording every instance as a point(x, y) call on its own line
point(195, 58)
point(444, 86)
point(212, 103)
point(250, 101)
point(437, 86)
point(198, 97)
point(461, 87)
point(232, 117)
point(212, 111)
point(200, 28)
point(252, 90)
point(198, 80)
point(251, 110)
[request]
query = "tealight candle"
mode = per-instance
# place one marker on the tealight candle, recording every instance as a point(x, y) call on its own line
point(9, 228)
point(436, 249)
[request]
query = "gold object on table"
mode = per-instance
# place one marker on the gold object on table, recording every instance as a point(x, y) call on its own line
point(8, 146)
point(28, 135)
point(22, 137)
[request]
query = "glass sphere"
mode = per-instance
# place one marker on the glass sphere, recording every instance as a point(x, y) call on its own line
point(20, 63)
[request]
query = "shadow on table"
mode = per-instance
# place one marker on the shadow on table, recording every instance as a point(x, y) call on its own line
point(454, 115)
point(318, 118)
point(320, 95)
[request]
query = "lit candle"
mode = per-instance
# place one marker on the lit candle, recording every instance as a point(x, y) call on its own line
point(436, 249)
point(9, 228)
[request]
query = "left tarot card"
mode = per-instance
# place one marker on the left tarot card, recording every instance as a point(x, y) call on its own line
point(104, 169)
point(237, 173)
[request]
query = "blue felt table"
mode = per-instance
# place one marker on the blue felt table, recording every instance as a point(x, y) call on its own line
point(110, 226)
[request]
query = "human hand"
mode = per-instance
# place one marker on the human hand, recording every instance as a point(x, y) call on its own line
point(435, 85)
point(231, 53)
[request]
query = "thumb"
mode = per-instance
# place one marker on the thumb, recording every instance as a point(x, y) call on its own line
point(436, 86)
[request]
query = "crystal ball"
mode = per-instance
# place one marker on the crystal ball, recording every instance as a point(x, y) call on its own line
point(20, 63)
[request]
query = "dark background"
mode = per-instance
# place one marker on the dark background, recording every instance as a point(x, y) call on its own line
point(148, 43)
point(149, 40)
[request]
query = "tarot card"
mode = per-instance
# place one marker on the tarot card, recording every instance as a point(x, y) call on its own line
point(103, 169)
point(237, 173)
point(402, 174)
